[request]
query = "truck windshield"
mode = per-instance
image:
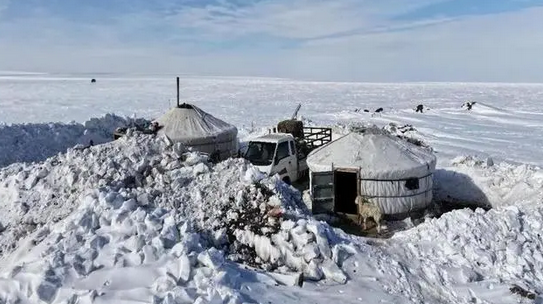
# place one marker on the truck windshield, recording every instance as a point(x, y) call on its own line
point(260, 153)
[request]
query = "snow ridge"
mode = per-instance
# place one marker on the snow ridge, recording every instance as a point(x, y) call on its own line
point(35, 142)
point(138, 207)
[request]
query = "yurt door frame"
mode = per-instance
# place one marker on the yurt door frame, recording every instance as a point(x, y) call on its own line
point(322, 190)
point(346, 188)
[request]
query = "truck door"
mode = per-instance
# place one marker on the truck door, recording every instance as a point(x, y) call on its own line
point(295, 161)
point(285, 162)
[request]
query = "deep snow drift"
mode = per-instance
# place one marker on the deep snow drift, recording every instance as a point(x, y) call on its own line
point(37, 141)
point(139, 219)
point(143, 208)
point(100, 225)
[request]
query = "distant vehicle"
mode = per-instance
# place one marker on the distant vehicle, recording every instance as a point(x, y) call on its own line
point(284, 150)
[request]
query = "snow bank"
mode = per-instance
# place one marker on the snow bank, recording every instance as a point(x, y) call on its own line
point(481, 182)
point(36, 142)
point(473, 256)
point(141, 219)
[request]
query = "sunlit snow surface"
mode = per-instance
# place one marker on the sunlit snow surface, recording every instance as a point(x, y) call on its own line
point(506, 122)
point(463, 257)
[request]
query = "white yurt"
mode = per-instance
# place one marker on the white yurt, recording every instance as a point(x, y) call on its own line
point(199, 130)
point(388, 171)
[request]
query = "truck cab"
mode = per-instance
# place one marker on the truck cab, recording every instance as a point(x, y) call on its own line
point(285, 151)
point(276, 153)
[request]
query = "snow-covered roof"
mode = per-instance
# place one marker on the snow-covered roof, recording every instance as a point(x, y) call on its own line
point(192, 126)
point(273, 138)
point(378, 155)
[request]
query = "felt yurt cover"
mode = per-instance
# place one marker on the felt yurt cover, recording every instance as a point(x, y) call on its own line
point(196, 128)
point(393, 173)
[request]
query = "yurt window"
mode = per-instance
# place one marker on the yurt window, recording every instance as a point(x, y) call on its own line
point(412, 183)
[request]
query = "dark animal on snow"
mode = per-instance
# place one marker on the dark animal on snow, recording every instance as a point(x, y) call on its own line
point(366, 110)
point(93, 80)
point(469, 104)
point(420, 108)
point(379, 110)
point(522, 292)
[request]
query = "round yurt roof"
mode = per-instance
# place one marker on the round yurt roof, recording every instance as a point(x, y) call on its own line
point(191, 125)
point(377, 154)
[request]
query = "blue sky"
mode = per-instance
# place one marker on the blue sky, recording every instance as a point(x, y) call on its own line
point(343, 40)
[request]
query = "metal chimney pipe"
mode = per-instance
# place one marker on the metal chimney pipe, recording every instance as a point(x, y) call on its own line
point(178, 92)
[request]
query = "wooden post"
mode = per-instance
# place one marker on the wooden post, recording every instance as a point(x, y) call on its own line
point(178, 92)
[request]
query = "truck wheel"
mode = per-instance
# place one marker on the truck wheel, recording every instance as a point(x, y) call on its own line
point(286, 180)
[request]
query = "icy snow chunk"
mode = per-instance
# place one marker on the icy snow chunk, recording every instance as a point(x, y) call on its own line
point(183, 295)
point(97, 242)
point(149, 254)
point(83, 268)
point(253, 175)
point(312, 271)
point(134, 243)
point(322, 240)
point(287, 225)
point(169, 235)
point(211, 258)
point(265, 249)
point(311, 252)
point(158, 244)
point(333, 272)
point(179, 149)
point(112, 198)
point(31, 182)
point(180, 269)
point(153, 222)
point(178, 250)
point(291, 279)
point(129, 205)
point(200, 168)
point(489, 162)
point(143, 199)
point(300, 237)
point(163, 284)
point(191, 242)
point(46, 291)
point(89, 221)
point(220, 237)
point(340, 252)
point(194, 158)
point(42, 173)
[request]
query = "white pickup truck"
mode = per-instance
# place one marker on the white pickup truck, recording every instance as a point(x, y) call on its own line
point(284, 154)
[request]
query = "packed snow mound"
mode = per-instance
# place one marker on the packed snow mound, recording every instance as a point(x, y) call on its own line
point(406, 132)
point(33, 195)
point(484, 183)
point(36, 142)
point(138, 214)
point(465, 252)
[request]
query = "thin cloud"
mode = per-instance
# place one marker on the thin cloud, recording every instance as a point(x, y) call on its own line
point(321, 40)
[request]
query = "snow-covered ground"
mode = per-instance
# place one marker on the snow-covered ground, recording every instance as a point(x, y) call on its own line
point(505, 123)
point(137, 220)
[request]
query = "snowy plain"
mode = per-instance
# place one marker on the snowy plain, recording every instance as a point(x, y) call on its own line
point(76, 226)
point(504, 124)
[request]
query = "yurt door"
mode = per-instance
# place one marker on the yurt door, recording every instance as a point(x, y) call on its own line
point(322, 189)
point(345, 190)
